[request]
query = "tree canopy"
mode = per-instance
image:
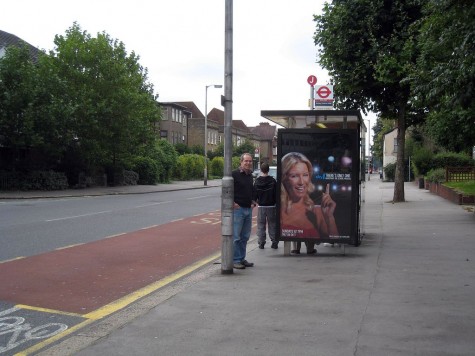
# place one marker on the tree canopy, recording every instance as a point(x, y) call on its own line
point(444, 77)
point(364, 46)
point(88, 99)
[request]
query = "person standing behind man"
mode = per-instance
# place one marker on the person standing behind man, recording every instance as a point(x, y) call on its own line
point(242, 212)
point(265, 190)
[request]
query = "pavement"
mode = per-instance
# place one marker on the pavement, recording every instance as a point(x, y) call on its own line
point(408, 289)
point(96, 191)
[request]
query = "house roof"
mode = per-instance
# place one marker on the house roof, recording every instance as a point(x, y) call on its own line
point(176, 105)
point(216, 115)
point(196, 113)
point(7, 39)
point(264, 131)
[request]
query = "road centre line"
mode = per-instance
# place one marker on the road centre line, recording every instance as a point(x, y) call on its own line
point(152, 204)
point(199, 197)
point(79, 216)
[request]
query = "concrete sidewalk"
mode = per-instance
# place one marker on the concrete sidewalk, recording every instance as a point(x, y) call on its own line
point(409, 289)
point(94, 191)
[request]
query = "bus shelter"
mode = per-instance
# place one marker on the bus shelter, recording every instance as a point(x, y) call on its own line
point(320, 170)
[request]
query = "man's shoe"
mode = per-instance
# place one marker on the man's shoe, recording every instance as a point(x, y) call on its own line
point(239, 266)
point(296, 252)
point(275, 245)
point(247, 264)
point(261, 245)
point(312, 252)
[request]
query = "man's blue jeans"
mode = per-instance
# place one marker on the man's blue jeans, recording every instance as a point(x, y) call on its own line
point(242, 225)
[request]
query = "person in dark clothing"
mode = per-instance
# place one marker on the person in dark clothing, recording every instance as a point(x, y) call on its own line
point(242, 213)
point(264, 193)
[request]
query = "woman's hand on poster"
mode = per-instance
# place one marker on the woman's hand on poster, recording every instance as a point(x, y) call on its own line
point(328, 204)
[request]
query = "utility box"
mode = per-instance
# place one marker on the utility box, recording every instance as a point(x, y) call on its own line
point(320, 170)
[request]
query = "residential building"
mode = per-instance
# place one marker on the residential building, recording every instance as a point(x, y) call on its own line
point(7, 39)
point(174, 123)
point(390, 148)
point(265, 136)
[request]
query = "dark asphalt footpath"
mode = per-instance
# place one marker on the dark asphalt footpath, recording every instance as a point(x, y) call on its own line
point(409, 289)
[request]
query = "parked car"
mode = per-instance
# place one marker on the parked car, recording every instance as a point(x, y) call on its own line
point(256, 173)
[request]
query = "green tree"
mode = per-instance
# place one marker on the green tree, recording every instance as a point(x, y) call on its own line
point(367, 48)
point(245, 147)
point(445, 72)
point(114, 105)
point(18, 77)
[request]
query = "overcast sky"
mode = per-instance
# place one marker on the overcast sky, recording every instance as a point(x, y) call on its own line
point(181, 43)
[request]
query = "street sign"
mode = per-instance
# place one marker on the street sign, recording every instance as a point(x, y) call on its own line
point(312, 80)
point(323, 92)
point(323, 95)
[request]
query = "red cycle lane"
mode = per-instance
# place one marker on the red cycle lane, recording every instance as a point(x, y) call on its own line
point(84, 278)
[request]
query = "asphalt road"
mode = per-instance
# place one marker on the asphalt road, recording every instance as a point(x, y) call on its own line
point(30, 227)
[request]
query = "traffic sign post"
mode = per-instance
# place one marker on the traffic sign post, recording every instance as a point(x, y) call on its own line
point(312, 80)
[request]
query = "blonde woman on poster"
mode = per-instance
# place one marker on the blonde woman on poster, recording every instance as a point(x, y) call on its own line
point(299, 215)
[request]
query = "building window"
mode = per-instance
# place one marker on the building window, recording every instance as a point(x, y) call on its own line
point(395, 145)
point(164, 113)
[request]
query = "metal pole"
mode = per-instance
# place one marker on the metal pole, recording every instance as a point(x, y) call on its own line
point(205, 173)
point(227, 195)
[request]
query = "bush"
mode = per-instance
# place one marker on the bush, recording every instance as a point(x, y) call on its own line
point(182, 149)
point(216, 167)
point(451, 159)
point(236, 162)
point(189, 166)
point(147, 169)
point(390, 171)
point(131, 178)
point(168, 160)
point(36, 180)
point(436, 175)
point(422, 161)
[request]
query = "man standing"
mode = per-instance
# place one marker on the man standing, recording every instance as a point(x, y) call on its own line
point(242, 213)
point(265, 188)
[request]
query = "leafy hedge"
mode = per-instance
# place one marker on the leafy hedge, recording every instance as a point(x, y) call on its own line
point(436, 175)
point(423, 160)
point(35, 180)
point(189, 167)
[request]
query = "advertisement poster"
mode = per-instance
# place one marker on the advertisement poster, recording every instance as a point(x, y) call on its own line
point(318, 184)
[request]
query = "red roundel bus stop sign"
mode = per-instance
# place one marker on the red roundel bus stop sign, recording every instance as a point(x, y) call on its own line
point(312, 80)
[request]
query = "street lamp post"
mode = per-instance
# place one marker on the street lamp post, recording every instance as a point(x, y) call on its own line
point(205, 173)
point(369, 148)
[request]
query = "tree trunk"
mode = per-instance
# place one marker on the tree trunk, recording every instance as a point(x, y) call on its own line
point(401, 141)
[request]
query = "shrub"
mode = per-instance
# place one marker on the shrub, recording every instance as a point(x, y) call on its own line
point(216, 167)
point(436, 175)
point(390, 171)
point(131, 178)
point(235, 162)
point(39, 180)
point(147, 169)
point(168, 160)
point(182, 149)
point(451, 159)
point(189, 166)
point(422, 161)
